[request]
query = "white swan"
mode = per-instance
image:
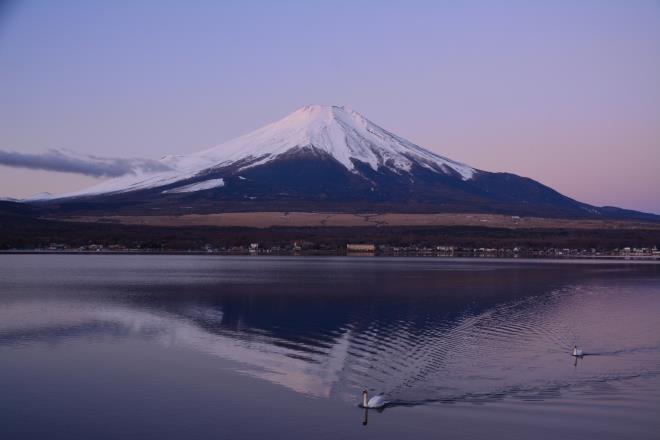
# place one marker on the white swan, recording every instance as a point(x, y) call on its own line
point(577, 351)
point(375, 402)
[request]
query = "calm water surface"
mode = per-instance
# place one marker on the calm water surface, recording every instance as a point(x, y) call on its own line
point(98, 346)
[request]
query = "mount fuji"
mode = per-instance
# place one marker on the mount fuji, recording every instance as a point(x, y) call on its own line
point(324, 158)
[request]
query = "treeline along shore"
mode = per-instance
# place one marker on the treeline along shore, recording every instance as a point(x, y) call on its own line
point(24, 232)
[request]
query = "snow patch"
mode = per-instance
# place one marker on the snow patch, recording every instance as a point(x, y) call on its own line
point(198, 186)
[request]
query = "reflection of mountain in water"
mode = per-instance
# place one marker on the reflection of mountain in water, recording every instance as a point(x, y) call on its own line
point(422, 332)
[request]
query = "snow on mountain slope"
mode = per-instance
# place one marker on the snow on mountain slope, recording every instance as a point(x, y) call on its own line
point(39, 197)
point(342, 133)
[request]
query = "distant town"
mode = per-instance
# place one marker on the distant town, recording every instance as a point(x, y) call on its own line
point(365, 249)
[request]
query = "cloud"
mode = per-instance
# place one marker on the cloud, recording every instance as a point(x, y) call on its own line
point(69, 162)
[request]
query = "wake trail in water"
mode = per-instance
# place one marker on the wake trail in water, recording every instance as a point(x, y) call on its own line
point(512, 349)
point(550, 390)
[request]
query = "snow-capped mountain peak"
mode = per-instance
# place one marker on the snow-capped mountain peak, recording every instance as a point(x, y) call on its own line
point(341, 133)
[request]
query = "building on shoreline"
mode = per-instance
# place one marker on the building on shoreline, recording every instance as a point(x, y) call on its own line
point(360, 248)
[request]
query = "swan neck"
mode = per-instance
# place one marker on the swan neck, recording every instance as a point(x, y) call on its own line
point(365, 398)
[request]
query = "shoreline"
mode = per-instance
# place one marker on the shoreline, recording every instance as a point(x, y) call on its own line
point(519, 258)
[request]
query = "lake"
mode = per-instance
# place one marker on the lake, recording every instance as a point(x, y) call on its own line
point(169, 347)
